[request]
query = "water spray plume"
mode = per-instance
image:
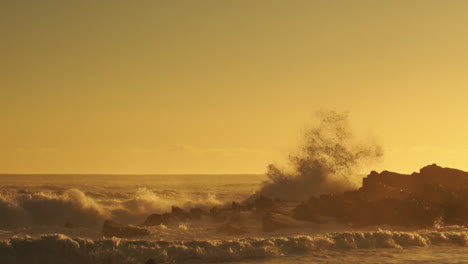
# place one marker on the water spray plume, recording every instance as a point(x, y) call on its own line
point(325, 163)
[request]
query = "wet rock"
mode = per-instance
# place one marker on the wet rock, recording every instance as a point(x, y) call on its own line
point(263, 203)
point(157, 219)
point(306, 211)
point(150, 261)
point(70, 225)
point(196, 213)
point(218, 215)
point(179, 213)
point(237, 207)
point(272, 222)
point(434, 195)
point(177, 210)
point(232, 229)
point(114, 229)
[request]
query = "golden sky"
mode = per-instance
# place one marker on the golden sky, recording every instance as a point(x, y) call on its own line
point(226, 86)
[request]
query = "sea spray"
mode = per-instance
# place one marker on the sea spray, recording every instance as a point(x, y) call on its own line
point(74, 207)
point(329, 155)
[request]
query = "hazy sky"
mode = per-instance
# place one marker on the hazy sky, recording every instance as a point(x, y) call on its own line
point(226, 86)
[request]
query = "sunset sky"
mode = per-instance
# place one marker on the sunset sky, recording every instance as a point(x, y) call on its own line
point(227, 86)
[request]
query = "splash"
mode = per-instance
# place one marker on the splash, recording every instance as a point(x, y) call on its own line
point(328, 157)
point(23, 208)
point(74, 207)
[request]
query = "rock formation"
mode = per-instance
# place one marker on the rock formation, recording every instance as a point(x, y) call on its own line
point(434, 195)
point(157, 219)
point(273, 221)
point(114, 229)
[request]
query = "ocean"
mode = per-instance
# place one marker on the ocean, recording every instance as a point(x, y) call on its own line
point(59, 218)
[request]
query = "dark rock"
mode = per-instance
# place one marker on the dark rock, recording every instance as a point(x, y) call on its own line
point(179, 213)
point(235, 206)
point(113, 229)
point(218, 215)
point(70, 225)
point(430, 175)
point(231, 229)
point(196, 213)
point(177, 210)
point(263, 203)
point(150, 261)
point(157, 219)
point(214, 210)
point(434, 195)
point(272, 222)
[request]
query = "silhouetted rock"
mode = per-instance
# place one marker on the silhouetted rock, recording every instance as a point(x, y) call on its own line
point(177, 210)
point(196, 213)
point(179, 213)
point(157, 219)
point(218, 215)
point(434, 195)
point(232, 229)
point(452, 179)
point(70, 225)
point(263, 203)
point(214, 210)
point(113, 229)
point(272, 222)
point(235, 206)
point(150, 261)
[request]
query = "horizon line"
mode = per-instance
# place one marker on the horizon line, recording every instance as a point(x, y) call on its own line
point(129, 174)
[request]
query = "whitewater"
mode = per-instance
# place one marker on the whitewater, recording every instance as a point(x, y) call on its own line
point(58, 219)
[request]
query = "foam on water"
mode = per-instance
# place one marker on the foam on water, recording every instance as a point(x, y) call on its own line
point(33, 215)
point(59, 248)
point(26, 201)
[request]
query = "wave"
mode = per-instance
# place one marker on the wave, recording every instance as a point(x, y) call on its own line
point(59, 248)
point(24, 208)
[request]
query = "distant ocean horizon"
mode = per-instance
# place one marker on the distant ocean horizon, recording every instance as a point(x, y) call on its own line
point(58, 218)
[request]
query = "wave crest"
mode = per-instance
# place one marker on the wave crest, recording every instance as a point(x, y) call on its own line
point(58, 248)
point(23, 208)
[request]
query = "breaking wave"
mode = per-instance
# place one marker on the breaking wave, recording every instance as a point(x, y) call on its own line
point(21, 208)
point(325, 163)
point(59, 248)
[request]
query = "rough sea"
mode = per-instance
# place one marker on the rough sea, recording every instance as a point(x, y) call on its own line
point(58, 219)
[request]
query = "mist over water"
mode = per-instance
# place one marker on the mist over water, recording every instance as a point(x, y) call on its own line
point(59, 218)
point(327, 160)
point(86, 200)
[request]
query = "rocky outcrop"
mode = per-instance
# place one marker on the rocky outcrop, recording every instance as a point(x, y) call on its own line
point(433, 195)
point(157, 219)
point(430, 175)
point(114, 229)
point(150, 261)
point(263, 204)
point(218, 215)
point(197, 213)
point(272, 222)
point(179, 213)
point(176, 216)
point(232, 229)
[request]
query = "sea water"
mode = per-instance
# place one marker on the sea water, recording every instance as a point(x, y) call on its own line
point(58, 219)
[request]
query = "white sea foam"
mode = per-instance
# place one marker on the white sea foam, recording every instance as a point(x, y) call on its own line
point(86, 200)
point(73, 206)
point(59, 248)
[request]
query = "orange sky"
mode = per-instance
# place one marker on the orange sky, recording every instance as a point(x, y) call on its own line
point(226, 86)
